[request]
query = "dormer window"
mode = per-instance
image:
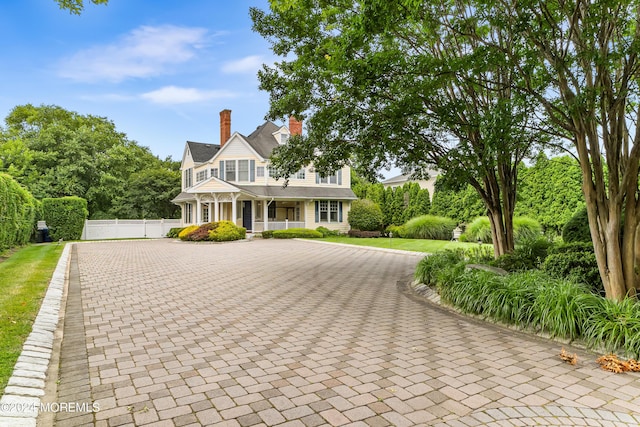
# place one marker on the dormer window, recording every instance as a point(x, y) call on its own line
point(284, 138)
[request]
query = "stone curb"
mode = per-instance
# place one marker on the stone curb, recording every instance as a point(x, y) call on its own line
point(20, 403)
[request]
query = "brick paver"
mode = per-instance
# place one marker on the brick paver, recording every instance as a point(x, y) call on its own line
point(273, 332)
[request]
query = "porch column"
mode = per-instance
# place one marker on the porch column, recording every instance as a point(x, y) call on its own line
point(209, 212)
point(265, 214)
point(253, 215)
point(234, 208)
point(216, 208)
point(198, 210)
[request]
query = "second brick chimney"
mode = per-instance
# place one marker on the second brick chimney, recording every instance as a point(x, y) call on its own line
point(225, 126)
point(295, 126)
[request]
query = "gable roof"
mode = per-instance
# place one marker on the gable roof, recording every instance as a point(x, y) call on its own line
point(262, 140)
point(201, 152)
point(401, 179)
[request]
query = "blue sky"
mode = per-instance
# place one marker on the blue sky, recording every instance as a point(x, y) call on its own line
point(161, 70)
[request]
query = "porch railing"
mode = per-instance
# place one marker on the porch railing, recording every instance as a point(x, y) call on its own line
point(279, 225)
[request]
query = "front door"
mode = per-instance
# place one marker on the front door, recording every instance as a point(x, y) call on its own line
point(246, 215)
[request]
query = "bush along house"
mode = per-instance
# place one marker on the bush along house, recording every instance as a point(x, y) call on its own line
point(232, 181)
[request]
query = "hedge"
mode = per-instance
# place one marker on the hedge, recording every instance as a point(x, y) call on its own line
point(65, 217)
point(17, 213)
point(294, 233)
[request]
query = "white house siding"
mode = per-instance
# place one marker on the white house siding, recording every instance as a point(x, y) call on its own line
point(310, 218)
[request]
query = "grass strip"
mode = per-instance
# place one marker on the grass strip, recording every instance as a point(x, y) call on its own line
point(24, 277)
point(416, 245)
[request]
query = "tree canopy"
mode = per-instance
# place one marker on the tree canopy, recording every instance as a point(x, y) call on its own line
point(77, 6)
point(54, 152)
point(398, 82)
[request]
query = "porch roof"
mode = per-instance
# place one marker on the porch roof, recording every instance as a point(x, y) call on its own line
point(275, 192)
point(278, 192)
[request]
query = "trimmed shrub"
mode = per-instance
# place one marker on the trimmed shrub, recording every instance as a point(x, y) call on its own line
point(524, 228)
point(365, 234)
point(226, 231)
point(365, 215)
point(267, 234)
point(65, 217)
point(174, 232)
point(429, 227)
point(17, 213)
point(577, 228)
point(572, 247)
point(328, 233)
point(578, 266)
point(184, 234)
point(527, 256)
point(294, 233)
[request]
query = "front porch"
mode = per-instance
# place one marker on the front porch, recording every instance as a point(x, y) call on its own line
point(255, 215)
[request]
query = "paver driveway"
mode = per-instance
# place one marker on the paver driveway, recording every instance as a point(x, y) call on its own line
point(303, 334)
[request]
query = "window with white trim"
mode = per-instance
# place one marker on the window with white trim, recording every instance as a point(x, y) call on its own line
point(230, 170)
point(328, 211)
point(214, 172)
point(260, 171)
point(188, 213)
point(301, 174)
point(333, 211)
point(188, 178)
point(243, 170)
point(324, 211)
point(201, 176)
point(330, 179)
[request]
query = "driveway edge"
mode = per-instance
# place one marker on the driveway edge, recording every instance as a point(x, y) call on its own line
point(20, 403)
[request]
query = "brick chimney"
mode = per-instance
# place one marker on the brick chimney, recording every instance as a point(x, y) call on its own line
point(225, 126)
point(295, 126)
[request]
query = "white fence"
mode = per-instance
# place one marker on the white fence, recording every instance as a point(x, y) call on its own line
point(97, 229)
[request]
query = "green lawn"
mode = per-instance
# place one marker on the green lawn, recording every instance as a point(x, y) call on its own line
point(24, 277)
point(416, 245)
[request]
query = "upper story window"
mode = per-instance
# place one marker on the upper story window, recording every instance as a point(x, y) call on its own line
point(188, 178)
point(334, 178)
point(201, 176)
point(284, 138)
point(301, 174)
point(260, 171)
point(238, 170)
point(243, 170)
point(230, 170)
point(214, 172)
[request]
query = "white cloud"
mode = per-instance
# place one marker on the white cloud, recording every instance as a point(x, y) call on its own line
point(144, 52)
point(249, 64)
point(182, 95)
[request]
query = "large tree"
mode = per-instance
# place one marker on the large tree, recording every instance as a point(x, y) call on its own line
point(55, 152)
point(383, 83)
point(586, 54)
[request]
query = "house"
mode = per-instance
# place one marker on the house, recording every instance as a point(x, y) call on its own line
point(400, 180)
point(232, 181)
